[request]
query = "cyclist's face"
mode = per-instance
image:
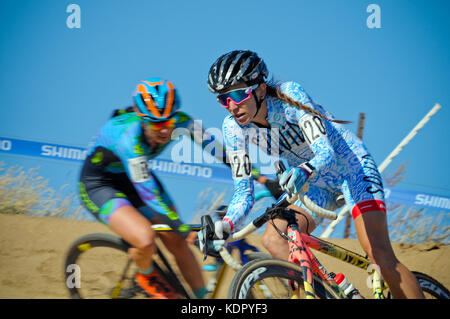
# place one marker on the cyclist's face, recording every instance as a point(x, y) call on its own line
point(160, 136)
point(245, 111)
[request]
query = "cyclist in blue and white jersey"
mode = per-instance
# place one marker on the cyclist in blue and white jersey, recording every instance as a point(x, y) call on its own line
point(318, 149)
point(118, 188)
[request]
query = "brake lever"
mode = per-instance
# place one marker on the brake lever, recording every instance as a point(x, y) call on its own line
point(280, 169)
point(208, 232)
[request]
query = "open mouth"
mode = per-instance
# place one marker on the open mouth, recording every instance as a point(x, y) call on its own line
point(240, 117)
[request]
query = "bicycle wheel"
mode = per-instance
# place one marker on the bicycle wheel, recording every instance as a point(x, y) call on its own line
point(273, 278)
point(215, 282)
point(431, 288)
point(261, 288)
point(98, 266)
point(257, 255)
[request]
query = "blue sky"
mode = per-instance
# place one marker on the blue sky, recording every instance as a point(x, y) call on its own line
point(59, 84)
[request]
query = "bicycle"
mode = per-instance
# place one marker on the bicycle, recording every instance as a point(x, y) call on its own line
point(246, 251)
point(303, 274)
point(89, 254)
point(98, 266)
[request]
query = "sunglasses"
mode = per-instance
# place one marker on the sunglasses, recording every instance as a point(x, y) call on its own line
point(157, 126)
point(237, 96)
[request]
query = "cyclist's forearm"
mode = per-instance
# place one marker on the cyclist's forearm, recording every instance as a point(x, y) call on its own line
point(325, 157)
point(240, 205)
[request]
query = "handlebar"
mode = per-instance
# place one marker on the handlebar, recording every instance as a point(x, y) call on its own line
point(284, 201)
point(258, 222)
point(320, 211)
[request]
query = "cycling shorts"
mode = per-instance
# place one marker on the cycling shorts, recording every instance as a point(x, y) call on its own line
point(361, 186)
point(102, 196)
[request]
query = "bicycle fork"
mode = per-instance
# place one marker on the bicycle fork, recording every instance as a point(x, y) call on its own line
point(300, 254)
point(118, 287)
point(378, 285)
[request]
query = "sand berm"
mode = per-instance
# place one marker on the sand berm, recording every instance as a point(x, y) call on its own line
point(32, 252)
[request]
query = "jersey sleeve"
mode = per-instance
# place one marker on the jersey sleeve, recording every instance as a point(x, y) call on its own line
point(209, 142)
point(243, 199)
point(317, 131)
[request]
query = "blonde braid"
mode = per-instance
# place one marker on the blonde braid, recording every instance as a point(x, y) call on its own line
point(275, 91)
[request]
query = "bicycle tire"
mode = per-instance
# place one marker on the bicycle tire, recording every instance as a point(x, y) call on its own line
point(430, 286)
point(257, 255)
point(259, 270)
point(261, 255)
point(214, 281)
point(112, 247)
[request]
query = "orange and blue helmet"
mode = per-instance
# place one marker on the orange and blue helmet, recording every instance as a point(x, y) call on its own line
point(157, 100)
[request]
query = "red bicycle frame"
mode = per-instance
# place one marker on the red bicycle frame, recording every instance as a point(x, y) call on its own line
point(299, 253)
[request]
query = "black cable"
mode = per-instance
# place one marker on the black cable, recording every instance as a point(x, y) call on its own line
point(281, 233)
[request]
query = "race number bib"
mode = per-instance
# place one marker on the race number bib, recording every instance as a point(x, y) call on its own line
point(240, 164)
point(312, 127)
point(139, 169)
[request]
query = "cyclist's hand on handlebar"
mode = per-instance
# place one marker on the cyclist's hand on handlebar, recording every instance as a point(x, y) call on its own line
point(209, 246)
point(212, 235)
point(222, 229)
point(292, 180)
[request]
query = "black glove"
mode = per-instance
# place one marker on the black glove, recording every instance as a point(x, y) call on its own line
point(209, 243)
point(274, 188)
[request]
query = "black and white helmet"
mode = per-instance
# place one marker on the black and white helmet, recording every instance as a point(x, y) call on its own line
point(236, 67)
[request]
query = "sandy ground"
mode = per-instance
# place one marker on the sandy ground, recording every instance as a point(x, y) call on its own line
point(32, 251)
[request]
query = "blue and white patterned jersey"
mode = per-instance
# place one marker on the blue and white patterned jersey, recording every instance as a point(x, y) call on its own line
point(341, 161)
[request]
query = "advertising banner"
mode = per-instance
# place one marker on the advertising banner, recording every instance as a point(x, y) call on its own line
point(204, 172)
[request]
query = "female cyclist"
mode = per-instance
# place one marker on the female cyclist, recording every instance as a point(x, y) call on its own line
point(318, 149)
point(117, 186)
